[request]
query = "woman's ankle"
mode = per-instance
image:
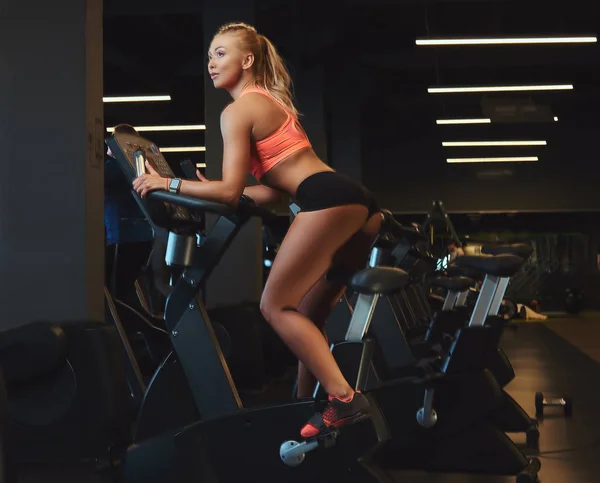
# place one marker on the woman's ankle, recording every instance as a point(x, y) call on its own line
point(343, 393)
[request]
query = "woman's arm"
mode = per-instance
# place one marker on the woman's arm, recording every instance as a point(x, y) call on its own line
point(263, 195)
point(236, 127)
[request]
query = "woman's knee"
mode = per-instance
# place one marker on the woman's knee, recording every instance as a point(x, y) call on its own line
point(271, 308)
point(266, 308)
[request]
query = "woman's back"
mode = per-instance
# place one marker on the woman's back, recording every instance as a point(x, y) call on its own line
point(279, 144)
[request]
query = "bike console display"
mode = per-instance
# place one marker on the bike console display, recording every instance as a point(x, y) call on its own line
point(163, 208)
point(131, 152)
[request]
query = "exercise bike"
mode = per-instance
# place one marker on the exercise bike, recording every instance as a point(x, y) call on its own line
point(192, 424)
point(449, 401)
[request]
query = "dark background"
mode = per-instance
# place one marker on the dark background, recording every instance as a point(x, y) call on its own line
point(366, 50)
point(361, 83)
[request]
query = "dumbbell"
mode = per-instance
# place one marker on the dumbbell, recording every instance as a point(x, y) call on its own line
point(540, 401)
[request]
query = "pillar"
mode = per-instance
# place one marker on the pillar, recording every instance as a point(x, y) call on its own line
point(52, 141)
point(239, 276)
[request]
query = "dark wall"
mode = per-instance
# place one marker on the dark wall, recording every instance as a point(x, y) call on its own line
point(51, 229)
point(239, 275)
point(399, 156)
point(405, 164)
point(51, 233)
point(309, 93)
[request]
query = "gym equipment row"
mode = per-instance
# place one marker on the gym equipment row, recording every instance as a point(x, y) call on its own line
point(445, 339)
point(438, 397)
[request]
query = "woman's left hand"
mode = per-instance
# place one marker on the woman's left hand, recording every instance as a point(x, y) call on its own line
point(146, 183)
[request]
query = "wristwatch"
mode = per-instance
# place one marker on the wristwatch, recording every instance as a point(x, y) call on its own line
point(174, 185)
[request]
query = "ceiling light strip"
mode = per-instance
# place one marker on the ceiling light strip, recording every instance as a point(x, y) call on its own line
point(108, 100)
point(514, 159)
point(492, 143)
point(183, 149)
point(191, 127)
point(463, 121)
point(505, 41)
point(448, 90)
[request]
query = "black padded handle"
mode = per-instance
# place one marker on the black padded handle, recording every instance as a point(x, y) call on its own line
point(249, 207)
point(189, 170)
point(194, 204)
point(398, 230)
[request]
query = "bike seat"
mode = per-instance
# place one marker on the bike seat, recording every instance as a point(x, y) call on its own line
point(379, 280)
point(454, 271)
point(522, 250)
point(453, 284)
point(498, 265)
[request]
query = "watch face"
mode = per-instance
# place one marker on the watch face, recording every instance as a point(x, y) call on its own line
point(174, 184)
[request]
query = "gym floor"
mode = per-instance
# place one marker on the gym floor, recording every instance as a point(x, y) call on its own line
point(556, 357)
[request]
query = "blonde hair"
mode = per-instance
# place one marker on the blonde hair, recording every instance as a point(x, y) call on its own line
point(270, 71)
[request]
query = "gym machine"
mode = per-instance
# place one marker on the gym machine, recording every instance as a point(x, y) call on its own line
point(464, 437)
point(192, 425)
point(66, 393)
point(455, 314)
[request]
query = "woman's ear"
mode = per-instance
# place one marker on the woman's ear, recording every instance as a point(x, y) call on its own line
point(248, 61)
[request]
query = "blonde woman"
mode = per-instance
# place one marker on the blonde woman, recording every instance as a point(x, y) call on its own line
point(335, 229)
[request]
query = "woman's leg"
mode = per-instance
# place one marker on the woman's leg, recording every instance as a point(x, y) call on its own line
point(319, 302)
point(303, 258)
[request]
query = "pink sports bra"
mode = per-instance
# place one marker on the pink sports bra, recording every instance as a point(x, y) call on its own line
point(276, 147)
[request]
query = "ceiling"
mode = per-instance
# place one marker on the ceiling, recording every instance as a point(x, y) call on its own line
point(156, 47)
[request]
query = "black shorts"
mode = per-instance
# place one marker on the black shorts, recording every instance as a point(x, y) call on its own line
point(329, 188)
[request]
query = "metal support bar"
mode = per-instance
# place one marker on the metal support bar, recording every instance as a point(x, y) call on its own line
point(294, 210)
point(137, 385)
point(450, 300)
point(426, 416)
point(361, 317)
point(484, 301)
point(210, 381)
point(499, 296)
point(375, 258)
point(462, 298)
point(364, 366)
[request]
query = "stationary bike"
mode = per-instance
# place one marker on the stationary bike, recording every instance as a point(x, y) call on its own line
point(450, 398)
point(192, 423)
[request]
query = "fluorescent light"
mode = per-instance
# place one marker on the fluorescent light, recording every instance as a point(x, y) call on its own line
point(136, 99)
point(190, 127)
point(189, 149)
point(507, 41)
point(463, 121)
point(447, 90)
point(514, 159)
point(200, 165)
point(493, 143)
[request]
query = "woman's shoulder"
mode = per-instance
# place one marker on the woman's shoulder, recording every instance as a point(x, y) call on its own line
point(247, 105)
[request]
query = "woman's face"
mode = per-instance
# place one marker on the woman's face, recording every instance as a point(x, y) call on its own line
point(226, 62)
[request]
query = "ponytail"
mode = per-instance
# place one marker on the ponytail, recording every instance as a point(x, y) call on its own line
point(270, 71)
point(274, 76)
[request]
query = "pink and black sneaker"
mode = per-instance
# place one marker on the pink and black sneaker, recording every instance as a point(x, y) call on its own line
point(337, 413)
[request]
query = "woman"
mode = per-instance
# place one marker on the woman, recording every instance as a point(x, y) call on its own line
point(335, 229)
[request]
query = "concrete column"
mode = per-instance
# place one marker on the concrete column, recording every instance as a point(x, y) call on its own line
point(239, 276)
point(52, 145)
